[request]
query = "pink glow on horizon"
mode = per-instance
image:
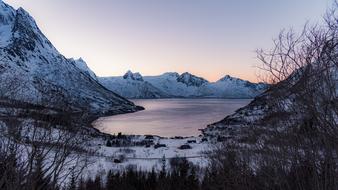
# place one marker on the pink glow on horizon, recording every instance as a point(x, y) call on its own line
point(210, 39)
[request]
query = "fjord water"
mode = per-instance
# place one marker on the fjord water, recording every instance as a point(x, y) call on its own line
point(170, 117)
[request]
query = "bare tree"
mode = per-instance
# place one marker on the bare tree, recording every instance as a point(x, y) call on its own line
point(293, 144)
point(304, 71)
point(39, 155)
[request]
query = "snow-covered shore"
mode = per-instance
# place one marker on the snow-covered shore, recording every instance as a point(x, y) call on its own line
point(145, 158)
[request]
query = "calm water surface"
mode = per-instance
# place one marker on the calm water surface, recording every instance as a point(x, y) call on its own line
point(170, 117)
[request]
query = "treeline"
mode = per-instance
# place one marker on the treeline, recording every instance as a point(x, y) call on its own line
point(229, 171)
point(183, 175)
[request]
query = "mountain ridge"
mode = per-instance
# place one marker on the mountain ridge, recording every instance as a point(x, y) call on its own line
point(185, 85)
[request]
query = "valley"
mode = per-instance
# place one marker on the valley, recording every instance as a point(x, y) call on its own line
point(64, 127)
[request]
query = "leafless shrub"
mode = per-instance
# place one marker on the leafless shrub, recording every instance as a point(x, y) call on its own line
point(38, 155)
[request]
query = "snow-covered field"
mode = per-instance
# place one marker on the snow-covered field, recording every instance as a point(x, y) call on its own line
point(145, 158)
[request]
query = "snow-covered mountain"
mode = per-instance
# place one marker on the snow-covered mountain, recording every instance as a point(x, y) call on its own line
point(191, 80)
point(33, 71)
point(132, 85)
point(231, 87)
point(172, 84)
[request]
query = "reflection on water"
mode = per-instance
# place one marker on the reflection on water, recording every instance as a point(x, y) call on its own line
point(170, 117)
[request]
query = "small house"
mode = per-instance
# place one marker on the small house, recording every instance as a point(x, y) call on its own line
point(185, 147)
point(156, 146)
point(191, 141)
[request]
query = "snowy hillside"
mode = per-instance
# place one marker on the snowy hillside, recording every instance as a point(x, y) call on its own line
point(290, 105)
point(32, 70)
point(172, 84)
point(270, 106)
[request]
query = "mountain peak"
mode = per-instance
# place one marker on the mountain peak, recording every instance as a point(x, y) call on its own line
point(229, 78)
point(171, 74)
point(20, 33)
point(80, 60)
point(7, 18)
point(26, 18)
point(133, 76)
point(22, 11)
point(7, 13)
point(191, 80)
point(186, 74)
point(82, 65)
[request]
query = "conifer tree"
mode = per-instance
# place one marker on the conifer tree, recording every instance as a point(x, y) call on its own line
point(72, 182)
point(37, 176)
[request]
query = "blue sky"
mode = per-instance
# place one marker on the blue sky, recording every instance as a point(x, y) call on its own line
point(209, 38)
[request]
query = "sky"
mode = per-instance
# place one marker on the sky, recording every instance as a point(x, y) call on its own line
point(209, 38)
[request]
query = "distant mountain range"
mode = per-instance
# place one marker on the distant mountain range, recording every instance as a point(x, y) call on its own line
point(186, 85)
